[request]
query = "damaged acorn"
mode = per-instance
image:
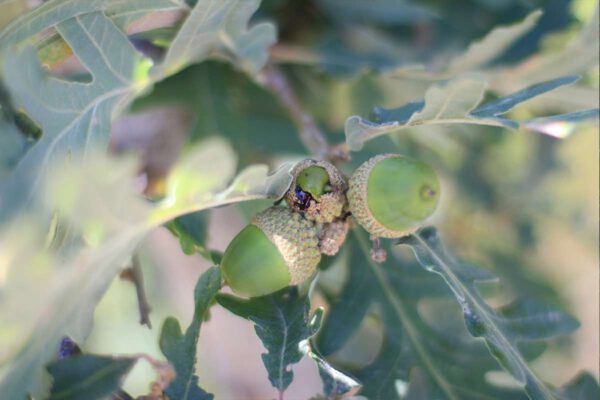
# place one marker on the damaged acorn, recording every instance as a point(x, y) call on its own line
point(318, 191)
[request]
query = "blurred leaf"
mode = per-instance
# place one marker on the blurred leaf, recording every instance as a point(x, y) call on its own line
point(456, 103)
point(492, 45)
point(10, 9)
point(192, 231)
point(348, 309)
point(51, 13)
point(132, 16)
point(502, 329)
point(577, 57)
point(584, 386)
point(74, 117)
point(283, 324)
point(387, 12)
point(181, 349)
point(220, 26)
point(88, 377)
point(12, 146)
point(195, 175)
point(98, 197)
point(229, 104)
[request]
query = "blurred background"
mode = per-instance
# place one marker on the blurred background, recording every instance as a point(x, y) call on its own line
point(521, 204)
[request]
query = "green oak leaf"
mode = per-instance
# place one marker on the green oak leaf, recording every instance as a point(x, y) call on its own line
point(458, 102)
point(181, 348)
point(87, 376)
point(503, 329)
point(283, 323)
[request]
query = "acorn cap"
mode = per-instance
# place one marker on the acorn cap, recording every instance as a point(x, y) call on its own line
point(390, 195)
point(317, 191)
point(278, 248)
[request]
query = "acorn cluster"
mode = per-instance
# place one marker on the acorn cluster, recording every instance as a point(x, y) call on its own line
point(389, 196)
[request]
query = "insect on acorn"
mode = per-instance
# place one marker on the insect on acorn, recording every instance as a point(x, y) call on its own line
point(317, 191)
point(391, 195)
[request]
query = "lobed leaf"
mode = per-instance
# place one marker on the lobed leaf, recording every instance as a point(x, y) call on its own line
point(283, 324)
point(52, 13)
point(577, 57)
point(418, 358)
point(502, 330)
point(482, 52)
point(75, 117)
point(458, 102)
point(219, 26)
point(180, 349)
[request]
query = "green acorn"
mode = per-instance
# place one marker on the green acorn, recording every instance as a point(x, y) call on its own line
point(279, 248)
point(390, 195)
point(317, 191)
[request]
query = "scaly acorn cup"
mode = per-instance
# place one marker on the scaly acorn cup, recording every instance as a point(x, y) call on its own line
point(279, 248)
point(317, 191)
point(391, 195)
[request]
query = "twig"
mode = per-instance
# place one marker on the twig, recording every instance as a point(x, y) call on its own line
point(311, 136)
point(134, 274)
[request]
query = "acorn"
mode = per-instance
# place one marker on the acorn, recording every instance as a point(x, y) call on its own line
point(317, 191)
point(279, 248)
point(391, 195)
